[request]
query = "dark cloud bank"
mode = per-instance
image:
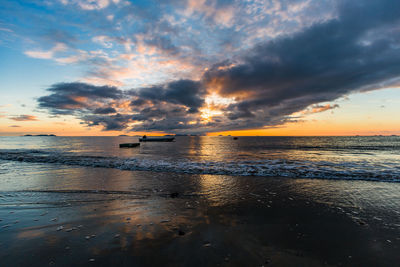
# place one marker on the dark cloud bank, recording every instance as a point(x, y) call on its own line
point(359, 50)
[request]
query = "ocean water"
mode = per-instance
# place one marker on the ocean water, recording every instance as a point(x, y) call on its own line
point(344, 158)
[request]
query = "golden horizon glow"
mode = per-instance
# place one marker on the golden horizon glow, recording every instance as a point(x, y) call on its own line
point(303, 128)
point(318, 128)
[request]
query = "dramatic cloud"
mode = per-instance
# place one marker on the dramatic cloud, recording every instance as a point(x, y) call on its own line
point(106, 110)
point(322, 63)
point(320, 59)
point(184, 92)
point(24, 118)
point(68, 98)
point(164, 107)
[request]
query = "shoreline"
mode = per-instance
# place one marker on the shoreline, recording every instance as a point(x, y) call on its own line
point(199, 220)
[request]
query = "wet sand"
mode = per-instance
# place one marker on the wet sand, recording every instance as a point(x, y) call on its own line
point(231, 221)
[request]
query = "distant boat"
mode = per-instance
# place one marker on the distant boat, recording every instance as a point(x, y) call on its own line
point(235, 138)
point(129, 145)
point(156, 139)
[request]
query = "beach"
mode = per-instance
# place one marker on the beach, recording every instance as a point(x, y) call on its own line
point(200, 221)
point(80, 213)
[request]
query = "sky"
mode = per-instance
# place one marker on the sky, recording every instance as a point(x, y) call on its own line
point(250, 67)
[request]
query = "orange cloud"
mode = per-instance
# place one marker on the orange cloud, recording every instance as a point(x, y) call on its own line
point(24, 118)
point(320, 108)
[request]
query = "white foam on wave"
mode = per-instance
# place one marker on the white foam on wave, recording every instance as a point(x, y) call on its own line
point(264, 167)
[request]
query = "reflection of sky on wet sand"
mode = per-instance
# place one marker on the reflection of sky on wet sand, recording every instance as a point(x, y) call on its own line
point(137, 206)
point(26, 233)
point(133, 219)
point(356, 194)
point(220, 190)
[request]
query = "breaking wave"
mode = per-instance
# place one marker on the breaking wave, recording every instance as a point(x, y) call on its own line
point(266, 167)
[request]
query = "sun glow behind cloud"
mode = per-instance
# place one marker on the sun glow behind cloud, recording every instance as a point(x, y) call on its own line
point(213, 106)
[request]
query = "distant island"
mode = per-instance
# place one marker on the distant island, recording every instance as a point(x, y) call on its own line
point(40, 135)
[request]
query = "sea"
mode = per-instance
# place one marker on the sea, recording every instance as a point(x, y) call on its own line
point(372, 158)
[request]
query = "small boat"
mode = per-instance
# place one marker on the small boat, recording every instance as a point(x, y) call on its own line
point(156, 139)
point(129, 145)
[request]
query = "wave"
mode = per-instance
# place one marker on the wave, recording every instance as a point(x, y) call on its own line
point(265, 167)
point(380, 147)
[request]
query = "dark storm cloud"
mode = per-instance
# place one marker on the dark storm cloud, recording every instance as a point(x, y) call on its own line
point(162, 105)
point(66, 98)
point(115, 122)
point(322, 63)
point(106, 110)
point(156, 112)
point(155, 118)
point(185, 92)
